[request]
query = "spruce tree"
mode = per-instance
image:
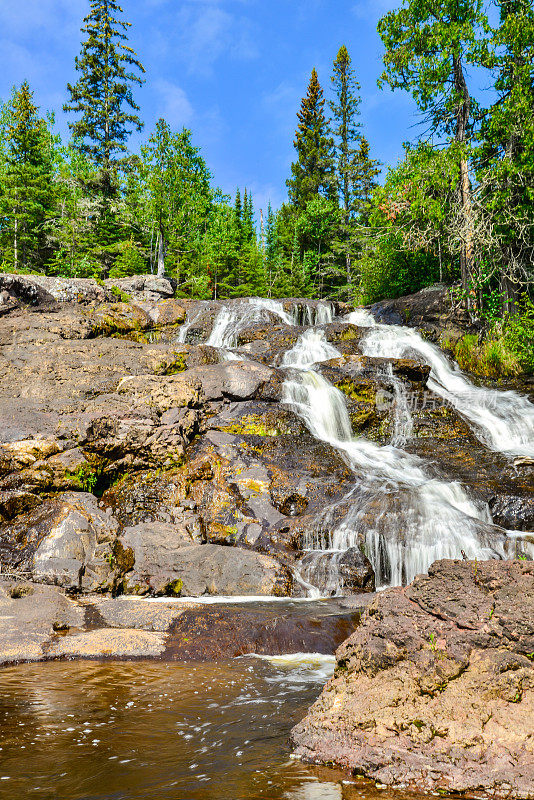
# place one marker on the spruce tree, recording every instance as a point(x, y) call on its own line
point(345, 112)
point(313, 172)
point(28, 190)
point(248, 217)
point(238, 212)
point(364, 174)
point(102, 98)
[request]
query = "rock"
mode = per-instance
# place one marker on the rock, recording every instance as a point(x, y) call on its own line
point(432, 309)
point(155, 548)
point(128, 611)
point(195, 570)
point(435, 690)
point(209, 633)
point(513, 513)
point(109, 643)
point(333, 573)
point(14, 502)
point(237, 380)
point(27, 615)
point(66, 541)
point(38, 289)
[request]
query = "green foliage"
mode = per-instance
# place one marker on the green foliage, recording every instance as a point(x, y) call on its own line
point(178, 198)
point(313, 172)
point(519, 334)
point(102, 98)
point(129, 261)
point(27, 193)
point(506, 349)
point(84, 477)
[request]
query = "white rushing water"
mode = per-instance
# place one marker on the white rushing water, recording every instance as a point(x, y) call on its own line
point(404, 518)
point(396, 511)
point(503, 421)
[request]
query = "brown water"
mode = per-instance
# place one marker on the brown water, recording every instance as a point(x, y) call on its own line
point(165, 731)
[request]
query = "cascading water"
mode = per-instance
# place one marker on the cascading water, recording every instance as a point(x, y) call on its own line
point(311, 348)
point(503, 421)
point(190, 320)
point(403, 518)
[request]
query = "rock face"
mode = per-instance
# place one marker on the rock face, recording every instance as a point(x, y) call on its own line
point(435, 690)
point(135, 457)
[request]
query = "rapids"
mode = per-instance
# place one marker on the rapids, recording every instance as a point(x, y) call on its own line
point(502, 420)
point(401, 516)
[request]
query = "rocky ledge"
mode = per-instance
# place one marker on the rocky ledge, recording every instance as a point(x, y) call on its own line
point(435, 689)
point(45, 623)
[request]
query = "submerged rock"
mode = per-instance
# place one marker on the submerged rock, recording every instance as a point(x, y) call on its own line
point(435, 690)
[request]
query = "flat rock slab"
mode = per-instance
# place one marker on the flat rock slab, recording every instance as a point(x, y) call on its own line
point(435, 690)
point(132, 612)
point(109, 643)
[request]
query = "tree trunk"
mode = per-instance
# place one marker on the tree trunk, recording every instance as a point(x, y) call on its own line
point(463, 113)
point(161, 255)
point(16, 245)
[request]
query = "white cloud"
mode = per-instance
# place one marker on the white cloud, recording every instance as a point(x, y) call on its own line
point(207, 30)
point(53, 18)
point(174, 103)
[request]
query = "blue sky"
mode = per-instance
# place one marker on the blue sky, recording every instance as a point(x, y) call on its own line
point(233, 71)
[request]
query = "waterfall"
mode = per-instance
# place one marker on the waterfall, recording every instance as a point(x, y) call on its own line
point(311, 348)
point(501, 420)
point(396, 511)
point(190, 320)
point(402, 518)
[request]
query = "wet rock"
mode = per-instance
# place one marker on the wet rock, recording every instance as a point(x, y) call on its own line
point(435, 690)
point(335, 573)
point(15, 502)
point(432, 309)
point(512, 512)
point(208, 633)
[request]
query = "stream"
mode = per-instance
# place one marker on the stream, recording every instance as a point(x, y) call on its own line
point(168, 730)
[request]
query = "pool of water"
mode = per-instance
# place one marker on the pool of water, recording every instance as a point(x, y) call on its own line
point(165, 731)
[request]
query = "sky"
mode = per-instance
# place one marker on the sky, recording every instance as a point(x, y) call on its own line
point(233, 71)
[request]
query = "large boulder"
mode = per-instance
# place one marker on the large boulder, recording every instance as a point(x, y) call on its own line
point(165, 562)
point(435, 690)
point(66, 541)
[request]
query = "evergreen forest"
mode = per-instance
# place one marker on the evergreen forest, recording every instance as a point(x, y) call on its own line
point(457, 209)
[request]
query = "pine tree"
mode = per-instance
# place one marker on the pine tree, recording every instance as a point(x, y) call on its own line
point(28, 191)
point(313, 173)
point(248, 217)
point(364, 174)
point(103, 96)
point(345, 111)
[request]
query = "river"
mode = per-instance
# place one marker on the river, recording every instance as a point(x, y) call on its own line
point(166, 731)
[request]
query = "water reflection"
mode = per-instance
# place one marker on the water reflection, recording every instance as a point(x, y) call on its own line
point(90, 730)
